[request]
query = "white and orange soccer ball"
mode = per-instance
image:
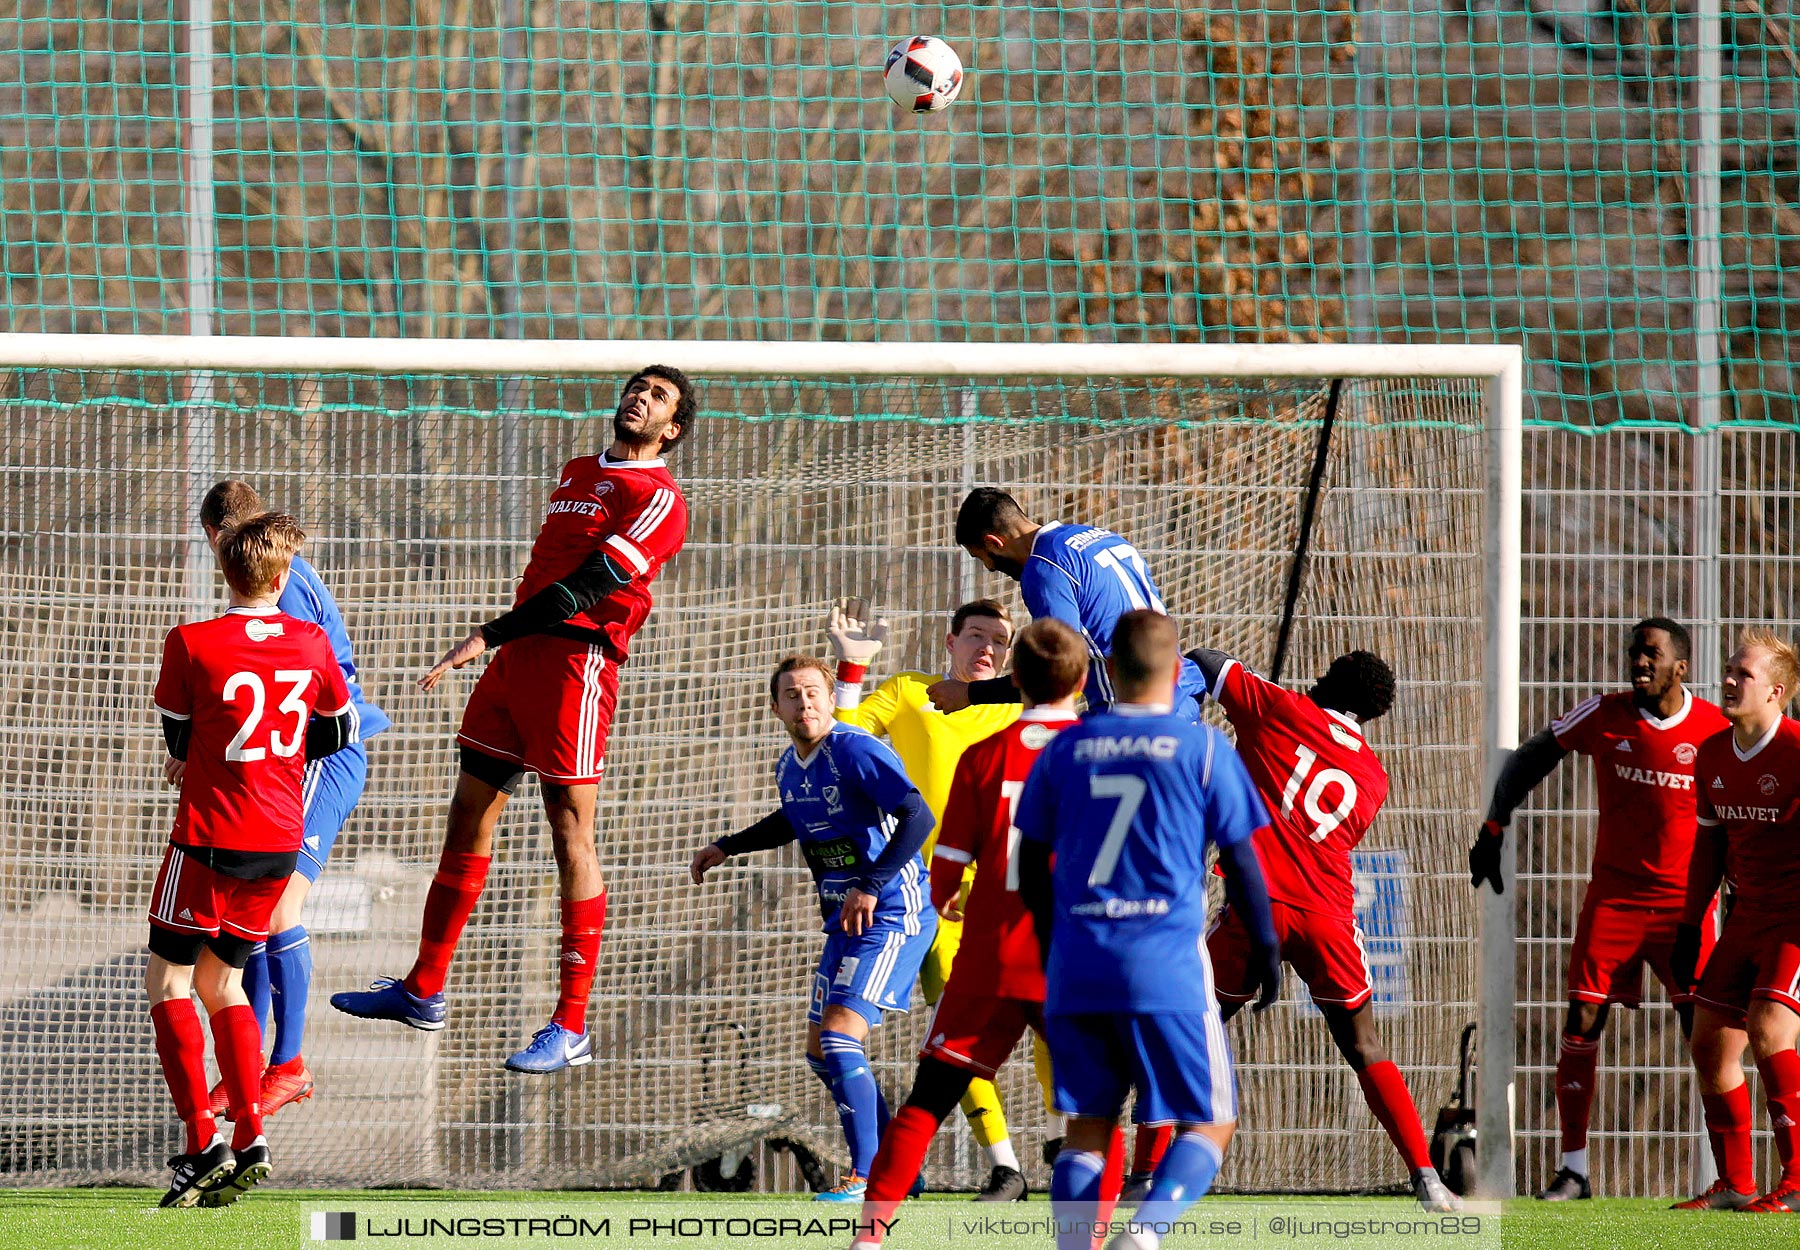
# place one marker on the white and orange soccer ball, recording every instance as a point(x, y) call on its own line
point(923, 74)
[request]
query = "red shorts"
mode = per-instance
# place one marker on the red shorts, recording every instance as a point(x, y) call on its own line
point(190, 897)
point(978, 1032)
point(545, 704)
point(1324, 948)
point(1755, 958)
point(1615, 939)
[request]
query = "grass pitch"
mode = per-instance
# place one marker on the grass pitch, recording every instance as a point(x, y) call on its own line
point(128, 1219)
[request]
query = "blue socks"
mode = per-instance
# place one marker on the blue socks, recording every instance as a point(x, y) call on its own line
point(1075, 1191)
point(256, 985)
point(858, 1098)
point(1183, 1177)
point(290, 968)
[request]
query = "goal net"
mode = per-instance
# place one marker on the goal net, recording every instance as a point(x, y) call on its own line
point(421, 488)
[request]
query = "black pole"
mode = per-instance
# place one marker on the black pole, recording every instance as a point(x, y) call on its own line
point(1297, 570)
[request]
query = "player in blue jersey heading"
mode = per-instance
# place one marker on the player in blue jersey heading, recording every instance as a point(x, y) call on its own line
point(860, 823)
point(278, 976)
point(1127, 802)
point(1083, 576)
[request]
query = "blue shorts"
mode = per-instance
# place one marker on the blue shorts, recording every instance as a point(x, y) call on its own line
point(331, 789)
point(872, 973)
point(1179, 1063)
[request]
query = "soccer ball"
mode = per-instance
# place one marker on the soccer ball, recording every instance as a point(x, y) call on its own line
point(923, 74)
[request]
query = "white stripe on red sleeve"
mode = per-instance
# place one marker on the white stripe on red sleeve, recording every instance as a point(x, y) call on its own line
point(629, 551)
point(653, 515)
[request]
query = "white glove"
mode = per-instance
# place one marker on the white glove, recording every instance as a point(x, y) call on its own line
point(853, 641)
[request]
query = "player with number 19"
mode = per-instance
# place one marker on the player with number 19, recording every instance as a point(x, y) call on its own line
point(1324, 786)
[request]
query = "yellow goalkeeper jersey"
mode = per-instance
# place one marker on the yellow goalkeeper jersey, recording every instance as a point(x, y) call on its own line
point(928, 742)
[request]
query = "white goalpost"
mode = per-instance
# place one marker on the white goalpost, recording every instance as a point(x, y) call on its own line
point(816, 470)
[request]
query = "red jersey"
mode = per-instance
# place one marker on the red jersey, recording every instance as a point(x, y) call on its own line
point(1755, 795)
point(999, 952)
point(1321, 781)
point(249, 681)
point(1644, 772)
point(632, 510)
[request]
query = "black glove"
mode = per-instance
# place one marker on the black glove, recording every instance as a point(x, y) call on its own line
point(1685, 957)
point(1484, 856)
point(1265, 965)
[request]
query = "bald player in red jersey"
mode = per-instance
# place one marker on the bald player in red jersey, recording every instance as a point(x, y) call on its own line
point(996, 988)
point(1747, 790)
point(546, 703)
point(238, 697)
point(1643, 742)
point(1324, 785)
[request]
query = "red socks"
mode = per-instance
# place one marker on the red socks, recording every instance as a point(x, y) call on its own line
point(898, 1161)
point(582, 921)
point(181, 1046)
point(448, 903)
point(1576, 1059)
point(1392, 1104)
point(237, 1045)
point(1781, 1087)
point(1147, 1149)
point(1728, 1128)
point(1112, 1179)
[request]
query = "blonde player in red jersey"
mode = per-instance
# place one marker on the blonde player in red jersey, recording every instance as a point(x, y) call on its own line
point(1747, 792)
point(545, 705)
point(1324, 786)
point(996, 987)
point(237, 697)
point(1643, 742)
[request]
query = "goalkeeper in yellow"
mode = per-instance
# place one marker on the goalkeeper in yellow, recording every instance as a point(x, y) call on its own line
point(929, 743)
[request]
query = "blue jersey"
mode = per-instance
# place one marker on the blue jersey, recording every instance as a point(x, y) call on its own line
point(838, 801)
point(1088, 578)
point(1128, 800)
point(307, 599)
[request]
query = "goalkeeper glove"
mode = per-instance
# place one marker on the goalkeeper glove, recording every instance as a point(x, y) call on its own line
point(1484, 856)
point(854, 642)
point(1685, 958)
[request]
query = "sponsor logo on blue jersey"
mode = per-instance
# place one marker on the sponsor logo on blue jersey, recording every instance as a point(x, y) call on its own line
point(838, 802)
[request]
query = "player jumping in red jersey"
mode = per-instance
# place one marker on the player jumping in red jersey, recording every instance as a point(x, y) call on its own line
point(1747, 795)
point(1643, 743)
point(1324, 786)
point(237, 697)
point(996, 986)
point(545, 705)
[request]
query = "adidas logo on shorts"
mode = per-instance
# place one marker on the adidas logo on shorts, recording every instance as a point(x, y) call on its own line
point(185, 914)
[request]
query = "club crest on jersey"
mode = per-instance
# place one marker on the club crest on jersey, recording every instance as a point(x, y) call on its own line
point(1767, 784)
point(262, 631)
point(832, 795)
point(1685, 753)
point(1036, 737)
